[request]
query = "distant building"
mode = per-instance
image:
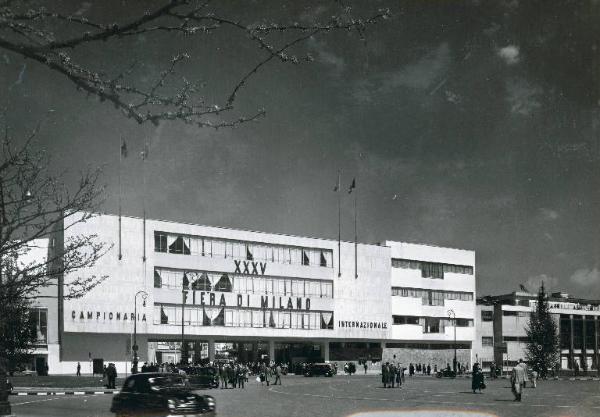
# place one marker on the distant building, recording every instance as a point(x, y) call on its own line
point(502, 320)
point(254, 296)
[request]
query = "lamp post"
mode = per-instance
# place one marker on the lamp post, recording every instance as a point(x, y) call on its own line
point(452, 315)
point(184, 292)
point(135, 346)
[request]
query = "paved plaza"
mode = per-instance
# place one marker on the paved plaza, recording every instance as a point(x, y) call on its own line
point(343, 396)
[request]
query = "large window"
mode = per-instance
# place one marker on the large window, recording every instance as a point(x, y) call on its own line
point(431, 269)
point(243, 284)
point(487, 341)
point(249, 251)
point(243, 317)
point(40, 325)
point(432, 297)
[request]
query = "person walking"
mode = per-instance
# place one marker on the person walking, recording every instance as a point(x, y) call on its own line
point(365, 366)
point(398, 376)
point(477, 379)
point(384, 374)
point(411, 370)
point(78, 369)
point(517, 380)
point(428, 369)
point(534, 377)
point(223, 376)
point(277, 375)
point(392, 374)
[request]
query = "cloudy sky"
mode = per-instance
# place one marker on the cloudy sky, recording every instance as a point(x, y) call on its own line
point(467, 125)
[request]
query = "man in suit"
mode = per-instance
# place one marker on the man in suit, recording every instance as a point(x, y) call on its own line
point(517, 379)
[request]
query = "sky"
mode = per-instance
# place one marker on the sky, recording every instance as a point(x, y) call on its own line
point(472, 125)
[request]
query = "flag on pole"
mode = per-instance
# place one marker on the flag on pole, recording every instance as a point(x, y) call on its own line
point(123, 148)
point(352, 186)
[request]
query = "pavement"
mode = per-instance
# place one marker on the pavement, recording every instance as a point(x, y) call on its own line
point(343, 396)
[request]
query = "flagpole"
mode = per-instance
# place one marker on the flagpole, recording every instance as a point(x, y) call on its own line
point(144, 201)
point(120, 193)
point(339, 225)
point(355, 240)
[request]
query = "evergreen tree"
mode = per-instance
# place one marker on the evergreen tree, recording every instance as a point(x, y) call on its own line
point(542, 346)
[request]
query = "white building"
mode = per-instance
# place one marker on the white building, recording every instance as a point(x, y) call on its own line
point(252, 295)
point(502, 337)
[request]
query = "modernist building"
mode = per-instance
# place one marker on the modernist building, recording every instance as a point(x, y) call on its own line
point(502, 320)
point(252, 295)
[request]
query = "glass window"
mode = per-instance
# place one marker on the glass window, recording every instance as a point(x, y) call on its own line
point(160, 242)
point(487, 315)
point(487, 341)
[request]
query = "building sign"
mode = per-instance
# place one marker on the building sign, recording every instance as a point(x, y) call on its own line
point(249, 300)
point(250, 267)
point(107, 315)
point(362, 324)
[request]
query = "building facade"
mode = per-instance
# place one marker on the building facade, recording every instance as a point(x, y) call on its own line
point(502, 338)
point(248, 295)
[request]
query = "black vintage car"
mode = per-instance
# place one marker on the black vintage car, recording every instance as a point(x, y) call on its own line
point(160, 394)
point(318, 369)
point(202, 377)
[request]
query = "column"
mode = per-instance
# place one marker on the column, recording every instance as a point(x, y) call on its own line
point(597, 359)
point(570, 365)
point(271, 350)
point(326, 351)
point(211, 350)
point(583, 345)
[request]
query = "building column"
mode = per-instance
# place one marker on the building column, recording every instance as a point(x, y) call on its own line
point(326, 351)
point(211, 350)
point(596, 358)
point(571, 363)
point(271, 350)
point(583, 344)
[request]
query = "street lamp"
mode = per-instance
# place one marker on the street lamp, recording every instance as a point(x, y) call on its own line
point(452, 315)
point(135, 346)
point(184, 292)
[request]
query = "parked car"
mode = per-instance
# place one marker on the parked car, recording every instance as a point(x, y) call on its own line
point(317, 369)
point(202, 377)
point(446, 373)
point(160, 394)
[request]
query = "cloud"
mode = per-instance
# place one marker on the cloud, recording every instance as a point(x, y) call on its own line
point(548, 214)
point(324, 56)
point(533, 283)
point(510, 54)
point(586, 277)
point(522, 97)
point(427, 73)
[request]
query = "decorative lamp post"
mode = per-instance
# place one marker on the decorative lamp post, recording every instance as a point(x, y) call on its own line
point(144, 294)
point(452, 315)
point(184, 292)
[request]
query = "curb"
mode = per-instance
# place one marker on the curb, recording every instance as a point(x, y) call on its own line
point(48, 393)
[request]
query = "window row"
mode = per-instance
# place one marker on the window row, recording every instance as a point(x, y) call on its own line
point(432, 269)
point(510, 313)
point(39, 325)
point(432, 324)
point(241, 284)
point(487, 315)
point(432, 297)
point(243, 317)
point(224, 248)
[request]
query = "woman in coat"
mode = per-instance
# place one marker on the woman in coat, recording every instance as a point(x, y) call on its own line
point(477, 380)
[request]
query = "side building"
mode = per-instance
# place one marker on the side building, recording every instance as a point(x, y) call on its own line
point(503, 319)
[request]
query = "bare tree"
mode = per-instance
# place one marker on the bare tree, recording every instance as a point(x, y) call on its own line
point(52, 39)
point(36, 205)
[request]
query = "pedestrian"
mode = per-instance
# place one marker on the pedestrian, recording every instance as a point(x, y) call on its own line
point(576, 367)
point(392, 374)
point(411, 370)
point(223, 376)
point(435, 369)
point(231, 375)
point(277, 375)
point(477, 379)
point(241, 375)
point(428, 369)
point(399, 372)
point(365, 366)
point(385, 374)
point(517, 380)
point(534, 377)
point(78, 369)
